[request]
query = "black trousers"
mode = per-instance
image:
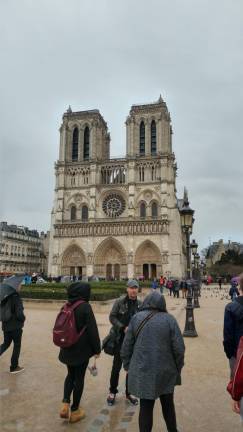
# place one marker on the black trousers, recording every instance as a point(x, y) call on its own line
point(115, 372)
point(74, 384)
point(146, 413)
point(14, 336)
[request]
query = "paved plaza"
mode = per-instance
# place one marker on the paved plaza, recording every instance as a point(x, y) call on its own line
point(29, 402)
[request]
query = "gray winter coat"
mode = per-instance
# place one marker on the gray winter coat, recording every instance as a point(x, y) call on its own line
point(154, 361)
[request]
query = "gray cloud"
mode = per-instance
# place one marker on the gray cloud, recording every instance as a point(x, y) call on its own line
point(109, 55)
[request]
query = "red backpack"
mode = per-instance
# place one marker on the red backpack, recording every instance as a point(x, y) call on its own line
point(65, 331)
point(235, 386)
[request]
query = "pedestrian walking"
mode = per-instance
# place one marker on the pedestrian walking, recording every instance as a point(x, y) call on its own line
point(176, 288)
point(13, 318)
point(220, 282)
point(183, 287)
point(233, 330)
point(154, 284)
point(122, 311)
point(161, 284)
point(233, 291)
point(169, 285)
point(153, 355)
point(76, 357)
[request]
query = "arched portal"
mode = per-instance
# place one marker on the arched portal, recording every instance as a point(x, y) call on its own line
point(148, 260)
point(110, 260)
point(73, 262)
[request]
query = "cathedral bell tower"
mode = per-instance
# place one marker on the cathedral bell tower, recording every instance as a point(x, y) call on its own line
point(83, 137)
point(149, 130)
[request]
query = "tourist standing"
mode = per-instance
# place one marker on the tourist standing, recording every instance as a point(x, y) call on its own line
point(233, 291)
point(161, 284)
point(154, 284)
point(183, 287)
point(158, 342)
point(122, 311)
point(233, 330)
point(76, 357)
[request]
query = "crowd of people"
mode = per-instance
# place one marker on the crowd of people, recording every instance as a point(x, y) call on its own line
point(143, 336)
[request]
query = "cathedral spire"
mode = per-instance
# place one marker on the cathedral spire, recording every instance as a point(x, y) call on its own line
point(69, 110)
point(185, 197)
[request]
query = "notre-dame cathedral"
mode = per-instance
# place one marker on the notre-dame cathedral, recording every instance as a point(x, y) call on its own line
point(119, 217)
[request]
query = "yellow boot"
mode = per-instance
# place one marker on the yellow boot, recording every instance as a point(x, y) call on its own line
point(77, 415)
point(64, 412)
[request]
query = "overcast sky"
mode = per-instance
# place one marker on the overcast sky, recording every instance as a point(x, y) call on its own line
point(109, 55)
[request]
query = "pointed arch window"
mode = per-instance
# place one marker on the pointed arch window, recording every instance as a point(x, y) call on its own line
point(75, 145)
point(153, 138)
point(142, 210)
point(86, 143)
point(85, 213)
point(73, 213)
point(154, 210)
point(142, 139)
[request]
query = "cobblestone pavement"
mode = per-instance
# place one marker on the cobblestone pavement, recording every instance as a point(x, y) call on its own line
point(29, 402)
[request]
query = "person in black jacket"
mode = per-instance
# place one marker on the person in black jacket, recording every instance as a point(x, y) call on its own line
point(122, 311)
point(233, 330)
point(76, 357)
point(13, 327)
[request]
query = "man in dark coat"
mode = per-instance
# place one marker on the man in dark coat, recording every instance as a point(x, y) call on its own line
point(154, 358)
point(122, 311)
point(13, 327)
point(76, 357)
point(233, 330)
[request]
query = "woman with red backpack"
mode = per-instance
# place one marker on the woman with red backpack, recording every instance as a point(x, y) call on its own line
point(233, 347)
point(76, 356)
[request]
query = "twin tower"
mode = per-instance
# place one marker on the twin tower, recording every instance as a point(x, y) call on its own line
point(116, 218)
point(85, 136)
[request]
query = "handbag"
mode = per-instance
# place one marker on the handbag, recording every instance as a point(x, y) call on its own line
point(111, 342)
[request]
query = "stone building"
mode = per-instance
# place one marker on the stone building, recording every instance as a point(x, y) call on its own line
point(20, 249)
point(218, 248)
point(116, 217)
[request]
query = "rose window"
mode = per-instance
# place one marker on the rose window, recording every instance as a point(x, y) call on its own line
point(114, 205)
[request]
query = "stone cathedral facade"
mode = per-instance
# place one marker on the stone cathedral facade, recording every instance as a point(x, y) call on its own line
point(116, 217)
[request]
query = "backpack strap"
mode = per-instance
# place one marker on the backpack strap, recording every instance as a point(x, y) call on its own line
point(75, 304)
point(145, 320)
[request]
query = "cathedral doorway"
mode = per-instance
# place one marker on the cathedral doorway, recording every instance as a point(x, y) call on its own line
point(73, 262)
point(146, 271)
point(110, 260)
point(112, 271)
point(117, 271)
point(108, 271)
point(148, 261)
point(153, 271)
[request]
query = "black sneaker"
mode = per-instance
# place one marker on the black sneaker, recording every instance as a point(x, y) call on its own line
point(132, 400)
point(18, 369)
point(111, 399)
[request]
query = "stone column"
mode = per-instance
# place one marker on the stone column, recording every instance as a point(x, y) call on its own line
point(62, 143)
point(130, 271)
point(147, 138)
point(89, 270)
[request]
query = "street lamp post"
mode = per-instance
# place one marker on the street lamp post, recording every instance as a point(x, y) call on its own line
point(195, 277)
point(187, 220)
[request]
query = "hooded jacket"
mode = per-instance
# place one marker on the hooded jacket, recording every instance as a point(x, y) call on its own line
point(155, 357)
point(17, 319)
point(233, 326)
point(89, 342)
